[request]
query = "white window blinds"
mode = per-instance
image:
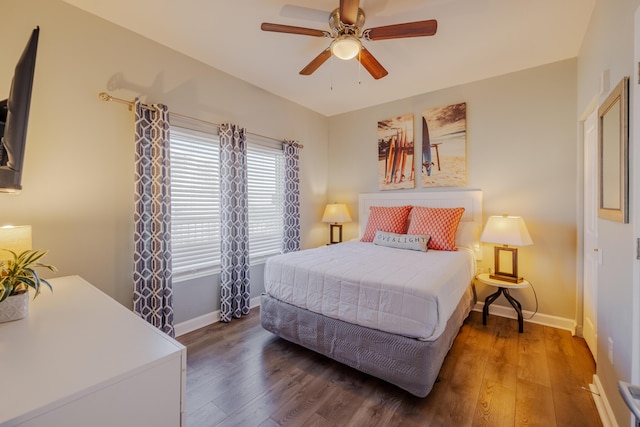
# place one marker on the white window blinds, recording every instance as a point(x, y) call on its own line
point(266, 199)
point(195, 202)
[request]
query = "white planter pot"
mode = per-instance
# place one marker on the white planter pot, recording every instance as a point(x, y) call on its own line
point(15, 307)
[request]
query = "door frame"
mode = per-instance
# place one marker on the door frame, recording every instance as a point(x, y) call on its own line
point(634, 181)
point(590, 259)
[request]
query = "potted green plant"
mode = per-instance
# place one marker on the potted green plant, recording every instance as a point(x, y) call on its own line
point(17, 275)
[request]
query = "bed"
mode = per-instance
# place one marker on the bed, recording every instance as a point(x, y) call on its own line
point(390, 312)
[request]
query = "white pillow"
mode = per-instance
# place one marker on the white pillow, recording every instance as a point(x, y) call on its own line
point(413, 242)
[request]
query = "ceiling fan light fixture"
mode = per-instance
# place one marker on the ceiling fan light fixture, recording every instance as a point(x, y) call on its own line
point(346, 47)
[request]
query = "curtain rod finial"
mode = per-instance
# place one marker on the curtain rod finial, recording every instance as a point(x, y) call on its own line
point(104, 96)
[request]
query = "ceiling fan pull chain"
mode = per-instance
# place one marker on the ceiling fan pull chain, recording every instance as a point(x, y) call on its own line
point(331, 75)
point(360, 67)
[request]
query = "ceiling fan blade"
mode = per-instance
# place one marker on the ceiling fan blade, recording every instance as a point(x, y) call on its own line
point(371, 64)
point(349, 11)
point(397, 31)
point(278, 28)
point(316, 63)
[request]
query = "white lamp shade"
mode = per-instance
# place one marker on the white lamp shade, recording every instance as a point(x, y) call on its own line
point(336, 212)
point(506, 230)
point(346, 47)
point(14, 238)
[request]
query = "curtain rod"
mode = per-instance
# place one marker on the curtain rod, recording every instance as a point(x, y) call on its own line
point(103, 96)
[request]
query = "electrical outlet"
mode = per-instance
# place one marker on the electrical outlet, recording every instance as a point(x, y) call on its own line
point(610, 350)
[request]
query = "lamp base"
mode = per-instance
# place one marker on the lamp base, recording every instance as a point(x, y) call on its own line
point(506, 264)
point(332, 234)
point(510, 279)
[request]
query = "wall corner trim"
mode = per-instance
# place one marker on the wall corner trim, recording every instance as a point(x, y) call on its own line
point(602, 403)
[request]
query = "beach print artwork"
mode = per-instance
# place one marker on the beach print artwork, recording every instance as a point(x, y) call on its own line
point(396, 165)
point(444, 142)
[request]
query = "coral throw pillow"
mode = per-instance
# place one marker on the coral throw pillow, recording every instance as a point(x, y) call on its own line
point(440, 223)
point(392, 219)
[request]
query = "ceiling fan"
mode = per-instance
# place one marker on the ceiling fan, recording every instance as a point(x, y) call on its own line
point(346, 24)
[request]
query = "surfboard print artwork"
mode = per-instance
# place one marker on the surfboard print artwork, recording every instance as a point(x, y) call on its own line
point(444, 146)
point(396, 165)
point(426, 149)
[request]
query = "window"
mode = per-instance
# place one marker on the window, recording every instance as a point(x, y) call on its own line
point(265, 178)
point(195, 202)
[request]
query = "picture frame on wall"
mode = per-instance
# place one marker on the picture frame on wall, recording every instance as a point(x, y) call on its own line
point(396, 162)
point(444, 146)
point(613, 155)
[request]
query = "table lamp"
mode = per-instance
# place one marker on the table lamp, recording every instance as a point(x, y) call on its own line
point(507, 231)
point(335, 213)
point(14, 238)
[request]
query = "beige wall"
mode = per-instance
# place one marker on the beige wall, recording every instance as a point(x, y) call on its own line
point(78, 178)
point(521, 151)
point(608, 48)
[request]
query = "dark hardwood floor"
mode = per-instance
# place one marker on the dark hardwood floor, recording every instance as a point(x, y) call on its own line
point(241, 375)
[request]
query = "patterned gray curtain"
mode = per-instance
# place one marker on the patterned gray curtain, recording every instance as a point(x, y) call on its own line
point(291, 230)
point(234, 224)
point(152, 296)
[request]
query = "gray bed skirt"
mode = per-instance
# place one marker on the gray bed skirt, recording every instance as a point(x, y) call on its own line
point(408, 363)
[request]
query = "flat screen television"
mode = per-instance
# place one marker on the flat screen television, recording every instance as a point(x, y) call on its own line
point(14, 118)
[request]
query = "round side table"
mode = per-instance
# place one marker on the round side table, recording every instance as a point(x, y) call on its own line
point(503, 289)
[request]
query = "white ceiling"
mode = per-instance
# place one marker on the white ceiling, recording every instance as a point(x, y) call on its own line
point(476, 39)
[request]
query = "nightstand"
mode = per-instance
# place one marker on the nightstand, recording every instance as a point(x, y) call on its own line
point(503, 289)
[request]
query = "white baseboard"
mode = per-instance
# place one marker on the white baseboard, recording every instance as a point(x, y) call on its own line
point(539, 318)
point(602, 403)
point(205, 320)
point(196, 323)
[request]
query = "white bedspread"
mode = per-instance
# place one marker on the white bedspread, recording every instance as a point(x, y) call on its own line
point(399, 291)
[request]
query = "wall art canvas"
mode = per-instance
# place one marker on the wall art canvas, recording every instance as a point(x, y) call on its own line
point(396, 165)
point(444, 144)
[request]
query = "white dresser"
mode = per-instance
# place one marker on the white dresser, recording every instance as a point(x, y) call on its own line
point(82, 359)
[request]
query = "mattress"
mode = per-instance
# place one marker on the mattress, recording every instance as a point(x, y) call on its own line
point(408, 293)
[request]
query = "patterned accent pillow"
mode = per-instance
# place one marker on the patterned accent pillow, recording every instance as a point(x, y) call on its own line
point(440, 223)
point(386, 218)
point(413, 242)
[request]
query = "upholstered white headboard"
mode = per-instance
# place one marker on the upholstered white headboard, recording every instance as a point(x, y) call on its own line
point(470, 227)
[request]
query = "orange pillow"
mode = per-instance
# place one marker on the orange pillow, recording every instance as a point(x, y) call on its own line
point(392, 219)
point(440, 223)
